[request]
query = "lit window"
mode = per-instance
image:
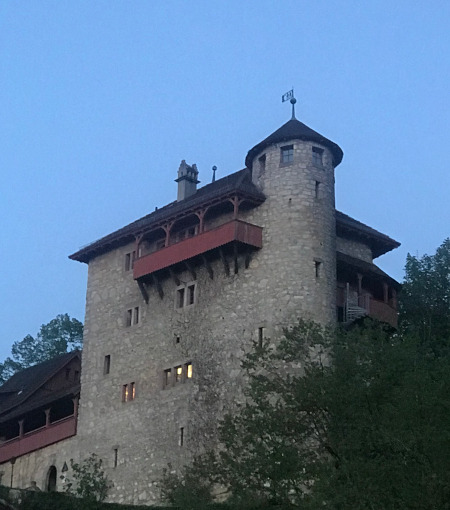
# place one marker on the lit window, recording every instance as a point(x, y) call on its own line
point(178, 374)
point(317, 156)
point(128, 392)
point(287, 154)
point(129, 260)
point(189, 371)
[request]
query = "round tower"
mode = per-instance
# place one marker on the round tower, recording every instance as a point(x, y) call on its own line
point(294, 167)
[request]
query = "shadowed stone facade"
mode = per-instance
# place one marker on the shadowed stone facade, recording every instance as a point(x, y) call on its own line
point(196, 301)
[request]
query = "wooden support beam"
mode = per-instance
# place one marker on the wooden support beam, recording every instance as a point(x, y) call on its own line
point(174, 276)
point(208, 267)
point(225, 262)
point(191, 270)
point(235, 258)
point(158, 286)
point(143, 290)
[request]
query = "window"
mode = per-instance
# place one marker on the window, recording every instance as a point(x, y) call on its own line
point(128, 392)
point(186, 295)
point(287, 154)
point(129, 260)
point(260, 337)
point(317, 265)
point(317, 154)
point(177, 375)
point(262, 165)
point(107, 364)
point(317, 190)
point(132, 316)
point(116, 455)
point(177, 339)
point(167, 377)
point(181, 440)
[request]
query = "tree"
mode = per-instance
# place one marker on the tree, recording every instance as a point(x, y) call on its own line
point(349, 419)
point(62, 334)
point(89, 480)
point(425, 297)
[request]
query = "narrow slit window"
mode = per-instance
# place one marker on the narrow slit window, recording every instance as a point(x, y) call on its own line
point(177, 339)
point(317, 266)
point(191, 294)
point(317, 189)
point(107, 364)
point(260, 337)
point(132, 395)
point(125, 393)
point(189, 371)
point(181, 440)
point(180, 298)
point(129, 318)
point(167, 377)
point(116, 455)
point(136, 315)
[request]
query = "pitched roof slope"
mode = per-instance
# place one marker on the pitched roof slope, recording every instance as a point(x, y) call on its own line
point(23, 384)
point(294, 129)
point(238, 181)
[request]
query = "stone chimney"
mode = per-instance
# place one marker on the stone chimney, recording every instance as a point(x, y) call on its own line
point(187, 180)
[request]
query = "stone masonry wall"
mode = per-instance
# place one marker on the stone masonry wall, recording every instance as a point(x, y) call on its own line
point(138, 439)
point(354, 249)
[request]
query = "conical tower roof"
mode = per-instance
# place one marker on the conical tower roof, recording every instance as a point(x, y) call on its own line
point(294, 129)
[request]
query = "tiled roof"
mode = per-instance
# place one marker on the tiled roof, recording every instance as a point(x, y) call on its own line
point(379, 243)
point(294, 129)
point(22, 385)
point(237, 182)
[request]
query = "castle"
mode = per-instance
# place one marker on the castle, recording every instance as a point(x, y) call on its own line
point(176, 298)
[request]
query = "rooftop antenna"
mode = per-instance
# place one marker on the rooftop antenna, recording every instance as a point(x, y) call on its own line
point(214, 168)
point(290, 96)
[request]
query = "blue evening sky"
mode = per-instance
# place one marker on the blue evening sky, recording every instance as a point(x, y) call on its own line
point(100, 100)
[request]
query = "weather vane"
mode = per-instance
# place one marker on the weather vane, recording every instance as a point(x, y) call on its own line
point(286, 97)
point(214, 168)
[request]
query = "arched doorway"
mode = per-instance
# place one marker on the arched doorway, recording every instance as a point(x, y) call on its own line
point(51, 479)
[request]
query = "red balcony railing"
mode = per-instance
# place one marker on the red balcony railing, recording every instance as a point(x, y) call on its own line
point(235, 230)
point(37, 439)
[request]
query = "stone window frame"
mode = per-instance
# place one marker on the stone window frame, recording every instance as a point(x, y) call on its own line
point(170, 377)
point(129, 260)
point(286, 155)
point(317, 156)
point(186, 295)
point(133, 316)
point(128, 392)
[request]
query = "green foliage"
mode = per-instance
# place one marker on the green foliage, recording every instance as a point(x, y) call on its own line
point(89, 480)
point(425, 297)
point(354, 419)
point(60, 335)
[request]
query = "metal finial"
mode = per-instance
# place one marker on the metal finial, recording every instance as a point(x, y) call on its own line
point(293, 101)
point(214, 168)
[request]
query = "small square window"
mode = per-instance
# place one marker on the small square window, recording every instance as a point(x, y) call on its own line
point(287, 154)
point(317, 154)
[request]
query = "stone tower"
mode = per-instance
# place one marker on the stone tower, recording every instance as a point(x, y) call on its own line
point(294, 167)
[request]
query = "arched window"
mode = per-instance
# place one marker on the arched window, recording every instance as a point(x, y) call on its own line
point(51, 479)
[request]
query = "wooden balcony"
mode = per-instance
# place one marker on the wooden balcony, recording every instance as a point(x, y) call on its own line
point(235, 231)
point(40, 438)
